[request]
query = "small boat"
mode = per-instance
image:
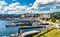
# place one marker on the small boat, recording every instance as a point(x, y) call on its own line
point(36, 24)
point(40, 24)
point(14, 21)
point(10, 25)
point(45, 23)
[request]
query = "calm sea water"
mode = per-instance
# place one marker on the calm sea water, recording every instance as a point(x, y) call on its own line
point(6, 31)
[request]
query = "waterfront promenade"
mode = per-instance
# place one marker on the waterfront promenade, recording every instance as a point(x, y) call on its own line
point(50, 23)
point(38, 19)
point(29, 34)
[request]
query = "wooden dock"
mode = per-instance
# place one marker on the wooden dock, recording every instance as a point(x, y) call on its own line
point(23, 27)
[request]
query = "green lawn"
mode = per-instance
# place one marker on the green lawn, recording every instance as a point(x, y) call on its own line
point(53, 33)
point(50, 33)
point(45, 32)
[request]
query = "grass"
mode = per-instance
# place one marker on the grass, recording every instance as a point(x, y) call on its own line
point(43, 33)
point(53, 33)
point(58, 22)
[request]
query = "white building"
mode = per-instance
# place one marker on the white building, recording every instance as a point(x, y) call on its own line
point(49, 15)
point(46, 15)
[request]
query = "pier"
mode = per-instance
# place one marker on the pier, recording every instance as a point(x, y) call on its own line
point(24, 27)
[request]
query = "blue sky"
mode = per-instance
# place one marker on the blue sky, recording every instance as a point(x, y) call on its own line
point(22, 2)
point(22, 6)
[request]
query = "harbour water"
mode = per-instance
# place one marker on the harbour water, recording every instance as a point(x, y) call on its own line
point(4, 31)
point(7, 31)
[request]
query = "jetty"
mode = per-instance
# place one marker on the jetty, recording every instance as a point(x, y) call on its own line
point(24, 27)
point(18, 24)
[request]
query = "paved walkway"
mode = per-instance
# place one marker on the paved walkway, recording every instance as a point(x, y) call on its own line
point(51, 23)
point(30, 32)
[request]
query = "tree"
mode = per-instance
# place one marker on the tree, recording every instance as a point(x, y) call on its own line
point(59, 20)
point(43, 18)
point(46, 19)
point(53, 19)
point(54, 16)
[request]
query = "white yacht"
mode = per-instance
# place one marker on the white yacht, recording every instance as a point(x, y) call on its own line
point(36, 24)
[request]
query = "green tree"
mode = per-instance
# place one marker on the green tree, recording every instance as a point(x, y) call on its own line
point(59, 20)
point(43, 18)
point(54, 16)
point(53, 19)
point(47, 19)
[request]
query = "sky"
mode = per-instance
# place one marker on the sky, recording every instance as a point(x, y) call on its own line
point(28, 6)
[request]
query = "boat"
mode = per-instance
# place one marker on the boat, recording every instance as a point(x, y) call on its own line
point(39, 24)
point(45, 23)
point(10, 25)
point(36, 24)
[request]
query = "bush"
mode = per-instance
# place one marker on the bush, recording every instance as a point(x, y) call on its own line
point(47, 19)
point(53, 19)
point(43, 18)
point(59, 20)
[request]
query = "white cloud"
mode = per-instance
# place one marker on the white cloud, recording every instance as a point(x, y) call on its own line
point(13, 5)
point(2, 3)
point(39, 2)
point(11, 8)
point(6, 8)
point(58, 0)
point(15, 8)
point(46, 3)
point(10, 12)
point(0, 7)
